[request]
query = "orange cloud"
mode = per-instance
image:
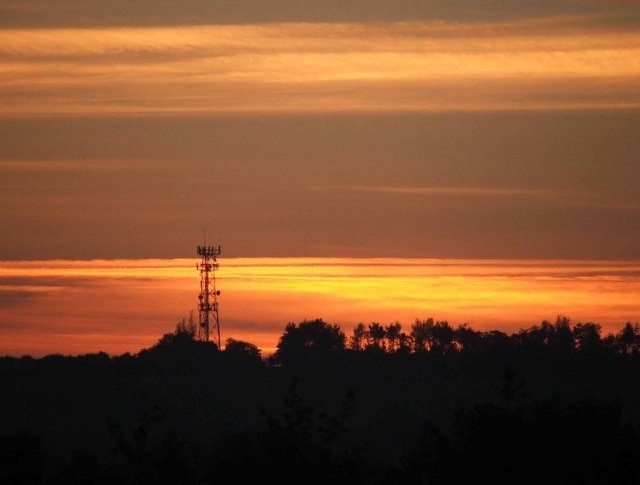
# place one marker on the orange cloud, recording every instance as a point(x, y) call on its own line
point(298, 67)
point(126, 305)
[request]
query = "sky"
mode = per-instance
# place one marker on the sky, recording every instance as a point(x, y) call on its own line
point(119, 306)
point(361, 129)
point(337, 129)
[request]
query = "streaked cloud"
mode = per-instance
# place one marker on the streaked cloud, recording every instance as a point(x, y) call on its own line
point(302, 67)
point(564, 197)
point(444, 191)
point(92, 13)
point(50, 306)
point(62, 166)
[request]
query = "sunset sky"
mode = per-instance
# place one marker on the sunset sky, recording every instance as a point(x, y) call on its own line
point(338, 129)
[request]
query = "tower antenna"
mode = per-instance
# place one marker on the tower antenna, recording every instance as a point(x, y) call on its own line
point(209, 328)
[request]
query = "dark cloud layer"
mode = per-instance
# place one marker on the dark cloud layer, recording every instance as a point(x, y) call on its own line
point(91, 13)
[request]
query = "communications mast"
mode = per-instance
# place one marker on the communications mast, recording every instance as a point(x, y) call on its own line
point(209, 327)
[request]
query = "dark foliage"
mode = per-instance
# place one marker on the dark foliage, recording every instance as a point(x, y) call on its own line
point(310, 340)
point(555, 403)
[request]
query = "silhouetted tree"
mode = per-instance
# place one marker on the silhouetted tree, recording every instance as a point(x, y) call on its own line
point(240, 351)
point(561, 337)
point(535, 337)
point(497, 341)
point(183, 334)
point(377, 335)
point(304, 444)
point(468, 339)
point(629, 339)
point(429, 461)
point(187, 327)
point(404, 343)
point(393, 331)
point(422, 335)
point(309, 340)
point(442, 337)
point(358, 339)
point(299, 443)
point(146, 455)
point(180, 349)
point(587, 337)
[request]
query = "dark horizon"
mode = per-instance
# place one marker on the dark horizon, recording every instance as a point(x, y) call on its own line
point(183, 412)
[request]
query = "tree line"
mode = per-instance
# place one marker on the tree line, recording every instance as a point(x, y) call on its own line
point(554, 403)
point(317, 337)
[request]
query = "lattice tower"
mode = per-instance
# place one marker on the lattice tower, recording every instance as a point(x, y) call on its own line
point(209, 319)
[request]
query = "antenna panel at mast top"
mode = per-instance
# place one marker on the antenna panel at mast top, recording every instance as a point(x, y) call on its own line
point(208, 251)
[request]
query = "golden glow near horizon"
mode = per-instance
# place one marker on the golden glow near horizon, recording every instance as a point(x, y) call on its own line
point(383, 66)
point(75, 307)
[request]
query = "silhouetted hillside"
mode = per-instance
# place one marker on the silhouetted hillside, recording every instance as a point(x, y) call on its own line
point(435, 405)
